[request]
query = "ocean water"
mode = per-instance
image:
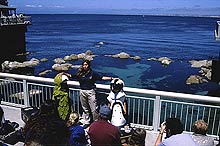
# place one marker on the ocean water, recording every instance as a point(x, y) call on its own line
point(179, 38)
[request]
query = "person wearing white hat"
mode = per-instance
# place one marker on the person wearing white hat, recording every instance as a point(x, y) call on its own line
point(117, 102)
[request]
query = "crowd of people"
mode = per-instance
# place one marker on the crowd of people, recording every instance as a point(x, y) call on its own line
point(56, 123)
point(46, 128)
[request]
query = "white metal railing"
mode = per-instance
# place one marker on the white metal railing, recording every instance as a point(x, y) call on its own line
point(146, 108)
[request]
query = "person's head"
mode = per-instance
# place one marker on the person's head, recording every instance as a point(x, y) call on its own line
point(116, 85)
point(200, 127)
point(86, 64)
point(104, 112)
point(73, 119)
point(48, 107)
point(137, 137)
point(45, 131)
point(85, 68)
point(173, 126)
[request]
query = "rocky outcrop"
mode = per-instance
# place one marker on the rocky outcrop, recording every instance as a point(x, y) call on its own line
point(59, 60)
point(72, 57)
point(88, 55)
point(62, 67)
point(200, 63)
point(205, 67)
point(136, 58)
point(23, 54)
point(44, 72)
point(7, 65)
point(121, 55)
point(206, 72)
point(124, 55)
point(163, 60)
point(60, 63)
point(195, 79)
point(43, 60)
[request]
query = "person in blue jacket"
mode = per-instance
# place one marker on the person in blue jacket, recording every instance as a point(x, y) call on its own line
point(77, 133)
point(87, 78)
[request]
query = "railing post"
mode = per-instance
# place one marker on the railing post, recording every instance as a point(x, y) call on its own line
point(26, 95)
point(156, 115)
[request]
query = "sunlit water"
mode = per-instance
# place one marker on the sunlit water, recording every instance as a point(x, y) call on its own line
point(180, 38)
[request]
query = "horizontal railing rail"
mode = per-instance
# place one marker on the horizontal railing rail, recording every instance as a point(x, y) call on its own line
point(146, 108)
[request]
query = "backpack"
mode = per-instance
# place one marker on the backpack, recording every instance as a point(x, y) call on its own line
point(116, 99)
point(8, 127)
point(117, 117)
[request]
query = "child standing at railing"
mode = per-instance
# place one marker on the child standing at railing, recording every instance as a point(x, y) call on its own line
point(117, 102)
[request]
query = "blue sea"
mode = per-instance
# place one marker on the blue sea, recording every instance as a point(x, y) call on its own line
point(179, 38)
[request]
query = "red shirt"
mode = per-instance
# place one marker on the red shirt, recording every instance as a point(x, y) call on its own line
point(103, 133)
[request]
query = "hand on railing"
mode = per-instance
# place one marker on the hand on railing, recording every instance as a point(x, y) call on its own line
point(162, 127)
point(67, 74)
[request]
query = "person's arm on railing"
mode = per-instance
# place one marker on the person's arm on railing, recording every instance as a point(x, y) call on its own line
point(160, 136)
point(108, 78)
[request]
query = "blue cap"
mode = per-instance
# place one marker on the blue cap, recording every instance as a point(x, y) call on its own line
point(105, 111)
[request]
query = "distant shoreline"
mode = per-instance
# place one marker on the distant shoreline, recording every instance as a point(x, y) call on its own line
point(143, 15)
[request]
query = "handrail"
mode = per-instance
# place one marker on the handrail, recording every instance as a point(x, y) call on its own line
point(147, 108)
point(211, 99)
point(174, 94)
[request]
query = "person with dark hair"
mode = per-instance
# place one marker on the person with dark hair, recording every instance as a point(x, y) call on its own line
point(77, 133)
point(174, 134)
point(137, 137)
point(200, 128)
point(46, 128)
point(87, 78)
point(102, 132)
point(48, 107)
